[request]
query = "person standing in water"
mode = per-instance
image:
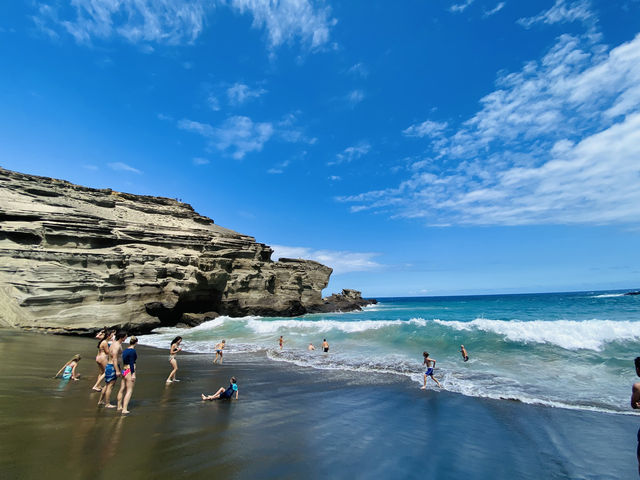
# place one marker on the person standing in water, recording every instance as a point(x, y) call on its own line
point(463, 351)
point(129, 357)
point(281, 342)
point(431, 364)
point(112, 370)
point(325, 346)
point(635, 390)
point(68, 370)
point(311, 347)
point(223, 393)
point(102, 357)
point(219, 347)
point(175, 348)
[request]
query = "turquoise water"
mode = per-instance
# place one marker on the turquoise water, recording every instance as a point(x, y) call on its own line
point(566, 350)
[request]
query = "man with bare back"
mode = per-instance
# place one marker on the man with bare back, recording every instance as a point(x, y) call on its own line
point(112, 370)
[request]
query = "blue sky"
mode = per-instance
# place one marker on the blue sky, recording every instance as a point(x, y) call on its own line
point(422, 147)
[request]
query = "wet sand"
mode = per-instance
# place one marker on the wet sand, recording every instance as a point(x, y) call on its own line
point(290, 422)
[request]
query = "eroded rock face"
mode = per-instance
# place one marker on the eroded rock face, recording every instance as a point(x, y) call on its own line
point(347, 301)
point(73, 259)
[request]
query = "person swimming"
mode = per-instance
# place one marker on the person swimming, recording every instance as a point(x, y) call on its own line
point(224, 393)
point(431, 364)
point(463, 351)
point(281, 342)
point(311, 347)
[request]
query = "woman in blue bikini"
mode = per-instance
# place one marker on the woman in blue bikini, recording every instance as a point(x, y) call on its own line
point(431, 364)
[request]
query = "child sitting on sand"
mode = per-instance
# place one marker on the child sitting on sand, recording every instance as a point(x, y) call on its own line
point(223, 393)
point(68, 370)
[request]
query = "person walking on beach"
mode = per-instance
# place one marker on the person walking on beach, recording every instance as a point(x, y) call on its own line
point(173, 351)
point(311, 347)
point(129, 357)
point(68, 370)
point(224, 393)
point(102, 356)
point(112, 370)
point(431, 364)
point(219, 347)
point(325, 346)
point(635, 390)
point(281, 342)
point(463, 351)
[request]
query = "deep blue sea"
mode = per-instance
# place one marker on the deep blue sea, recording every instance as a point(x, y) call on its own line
point(563, 350)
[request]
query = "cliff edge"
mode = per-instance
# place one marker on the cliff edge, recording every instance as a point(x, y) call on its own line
point(73, 259)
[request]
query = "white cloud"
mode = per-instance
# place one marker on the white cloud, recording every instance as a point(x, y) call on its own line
point(352, 153)
point(285, 20)
point(161, 21)
point(123, 167)
point(335, 178)
point(237, 134)
point(239, 93)
point(174, 22)
point(428, 128)
point(557, 142)
point(563, 11)
point(359, 69)
point(460, 7)
point(495, 9)
point(355, 96)
point(340, 261)
point(213, 103)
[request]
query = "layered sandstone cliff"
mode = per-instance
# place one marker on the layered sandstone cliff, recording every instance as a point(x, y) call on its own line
point(73, 259)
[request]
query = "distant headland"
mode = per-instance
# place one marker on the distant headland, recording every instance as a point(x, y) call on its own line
point(74, 259)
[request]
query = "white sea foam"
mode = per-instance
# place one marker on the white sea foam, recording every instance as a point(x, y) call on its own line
point(609, 295)
point(322, 326)
point(568, 334)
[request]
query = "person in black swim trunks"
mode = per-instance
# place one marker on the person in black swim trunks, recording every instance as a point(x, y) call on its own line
point(325, 346)
point(224, 393)
point(463, 351)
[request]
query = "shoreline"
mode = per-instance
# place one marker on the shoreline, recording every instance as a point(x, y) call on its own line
point(290, 422)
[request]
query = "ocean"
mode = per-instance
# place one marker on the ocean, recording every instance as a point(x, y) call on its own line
point(558, 350)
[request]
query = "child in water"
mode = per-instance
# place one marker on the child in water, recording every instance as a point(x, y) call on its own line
point(223, 393)
point(68, 370)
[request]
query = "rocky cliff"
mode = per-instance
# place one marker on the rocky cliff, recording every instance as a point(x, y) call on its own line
point(73, 259)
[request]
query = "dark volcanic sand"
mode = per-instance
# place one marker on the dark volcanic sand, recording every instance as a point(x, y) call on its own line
point(289, 423)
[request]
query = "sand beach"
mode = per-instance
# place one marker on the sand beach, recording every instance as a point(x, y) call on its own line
point(289, 422)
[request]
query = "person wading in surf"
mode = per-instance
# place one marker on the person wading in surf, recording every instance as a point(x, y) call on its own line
point(431, 364)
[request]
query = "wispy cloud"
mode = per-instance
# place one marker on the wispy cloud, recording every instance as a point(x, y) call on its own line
point(237, 134)
point(160, 21)
point(359, 70)
point(494, 10)
point(563, 11)
point(340, 261)
point(557, 142)
point(352, 153)
point(239, 93)
point(174, 22)
point(286, 20)
point(213, 103)
point(460, 7)
point(123, 167)
point(428, 128)
point(200, 161)
point(355, 96)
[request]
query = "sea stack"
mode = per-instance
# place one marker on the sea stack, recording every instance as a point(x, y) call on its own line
point(73, 259)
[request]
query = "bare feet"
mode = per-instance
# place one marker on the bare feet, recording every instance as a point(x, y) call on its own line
point(203, 397)
point(96, 389)
point(108, 405)
point(100, 403)
point(423, 388)
point(126, 412)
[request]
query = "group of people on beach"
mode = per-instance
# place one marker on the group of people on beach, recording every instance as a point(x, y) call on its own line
point(110, 351)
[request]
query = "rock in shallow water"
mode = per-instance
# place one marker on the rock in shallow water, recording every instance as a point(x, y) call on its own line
point(73, 259)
